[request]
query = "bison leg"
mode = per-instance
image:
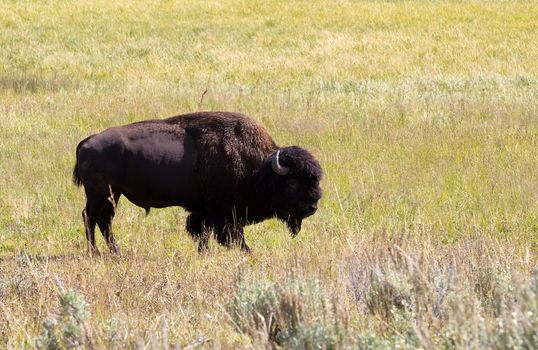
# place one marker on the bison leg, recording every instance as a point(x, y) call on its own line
point(231, 235)
point(195, 225)
point(239, 240)
point(105, 222)
point(198, 230)
point(89, 217)
point(203, 243)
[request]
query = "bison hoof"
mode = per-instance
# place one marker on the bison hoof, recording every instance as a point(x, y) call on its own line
point(115, 251)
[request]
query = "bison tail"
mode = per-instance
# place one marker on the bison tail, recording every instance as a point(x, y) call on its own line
point(76, 176)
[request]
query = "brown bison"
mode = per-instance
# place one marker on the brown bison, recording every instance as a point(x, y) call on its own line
point(223, 168)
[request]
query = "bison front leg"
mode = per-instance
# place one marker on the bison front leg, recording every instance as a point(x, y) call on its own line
point(230, 235)
point(241, 241)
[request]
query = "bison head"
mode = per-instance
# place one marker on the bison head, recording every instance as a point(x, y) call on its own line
point(291, 177)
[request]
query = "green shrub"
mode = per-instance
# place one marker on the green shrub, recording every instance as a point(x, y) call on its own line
point(514, 327)
point(296, 313)
point(67, 329)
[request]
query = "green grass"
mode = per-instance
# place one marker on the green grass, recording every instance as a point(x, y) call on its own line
point(423, 114)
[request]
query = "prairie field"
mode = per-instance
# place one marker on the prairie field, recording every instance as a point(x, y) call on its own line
point(423, 115)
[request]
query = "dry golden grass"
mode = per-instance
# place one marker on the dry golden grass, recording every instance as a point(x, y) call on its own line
point(396, 291)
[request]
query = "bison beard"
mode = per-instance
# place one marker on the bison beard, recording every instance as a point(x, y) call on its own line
point(224, 168)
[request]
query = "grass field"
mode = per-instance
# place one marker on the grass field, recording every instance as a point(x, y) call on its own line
point(423, 114)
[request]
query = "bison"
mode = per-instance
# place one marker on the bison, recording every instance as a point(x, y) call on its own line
point(223, 168)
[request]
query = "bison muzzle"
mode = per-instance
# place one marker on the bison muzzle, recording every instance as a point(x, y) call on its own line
point(223, 168)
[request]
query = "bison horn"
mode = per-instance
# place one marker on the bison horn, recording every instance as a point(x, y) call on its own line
point(277, 168)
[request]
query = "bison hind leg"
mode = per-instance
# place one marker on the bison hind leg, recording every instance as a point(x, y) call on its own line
point(104, 221)
point(89, 215)
point(99, 210)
